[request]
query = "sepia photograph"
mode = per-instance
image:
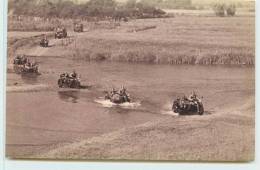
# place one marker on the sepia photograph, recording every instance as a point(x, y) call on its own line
point(131, 80)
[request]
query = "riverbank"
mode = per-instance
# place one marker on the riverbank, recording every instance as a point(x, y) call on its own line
point(181, 40)
point(225, 137)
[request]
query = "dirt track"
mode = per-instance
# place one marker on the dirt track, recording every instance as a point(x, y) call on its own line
point(75, 127)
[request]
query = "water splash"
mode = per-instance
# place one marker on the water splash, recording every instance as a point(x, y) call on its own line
point(169, 113)
point(167, 110)
point(109, 104)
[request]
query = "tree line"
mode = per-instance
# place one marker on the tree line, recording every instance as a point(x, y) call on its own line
point(91, 8)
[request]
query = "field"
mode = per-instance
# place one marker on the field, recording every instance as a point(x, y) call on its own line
point(157, 60)
point(179, 40)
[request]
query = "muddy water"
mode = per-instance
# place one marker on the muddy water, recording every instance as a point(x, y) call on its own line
point(41, 119)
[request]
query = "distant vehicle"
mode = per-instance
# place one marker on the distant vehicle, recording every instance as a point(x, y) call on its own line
point(78, 27)
point(186, 106)
point(61, 33)
point(23, 65)
point(20, 60)
point(69, 81)
point(44, 42)
point(118, 97)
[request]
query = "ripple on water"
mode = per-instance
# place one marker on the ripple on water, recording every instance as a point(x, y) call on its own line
point(109, 104)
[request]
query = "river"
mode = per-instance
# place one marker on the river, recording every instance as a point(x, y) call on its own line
point(44, 118)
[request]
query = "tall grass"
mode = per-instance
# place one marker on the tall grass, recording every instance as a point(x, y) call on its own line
point(36, 24)
point(180, 40)
point(153, 55)
point(16, 43)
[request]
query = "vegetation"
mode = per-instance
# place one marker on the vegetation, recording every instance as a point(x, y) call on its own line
point(219, 41)
point(221, 9)
point(193, 40)
point(91, 8)
point(231, 10)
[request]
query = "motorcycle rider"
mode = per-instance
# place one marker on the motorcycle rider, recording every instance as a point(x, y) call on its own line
point(24, 59)
point(182, 102)
point(64, 77)
point(27, 65)
point(17, 59)
point(73, 74)
point(193, 98)
point(112, 92)
point(123, 93)
point(44, 39)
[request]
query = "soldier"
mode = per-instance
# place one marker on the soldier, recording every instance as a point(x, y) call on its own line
point(17, 60)
point(113, 91)
point(27, 65)
point(124, 94)
point(192, 96)
point(73, 74)
point(122, 91)
point(24, 60)
point(183, 102)
point(195, 100)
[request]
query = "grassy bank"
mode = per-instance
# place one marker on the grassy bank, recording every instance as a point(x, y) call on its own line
point(139, 52)
point(180, 40)
point(18, 42)
point(36, 24)
point(205, 138)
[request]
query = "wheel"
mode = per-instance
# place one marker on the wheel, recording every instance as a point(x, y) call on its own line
point(75, 84)
point(201, 109)
point(37, 69)
point(78, 85)
point(60, 83)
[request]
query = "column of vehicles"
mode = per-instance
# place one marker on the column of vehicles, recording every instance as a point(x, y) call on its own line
point(22, 65)
point(61, 32)
point(182, 105)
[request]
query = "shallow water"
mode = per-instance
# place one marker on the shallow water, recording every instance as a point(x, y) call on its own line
point(38, 119)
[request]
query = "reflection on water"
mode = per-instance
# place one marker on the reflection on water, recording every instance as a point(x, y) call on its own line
point(152, 87)
point(69, 96)
point(30, 78)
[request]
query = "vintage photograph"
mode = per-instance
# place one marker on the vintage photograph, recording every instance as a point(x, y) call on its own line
point(131, 80)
